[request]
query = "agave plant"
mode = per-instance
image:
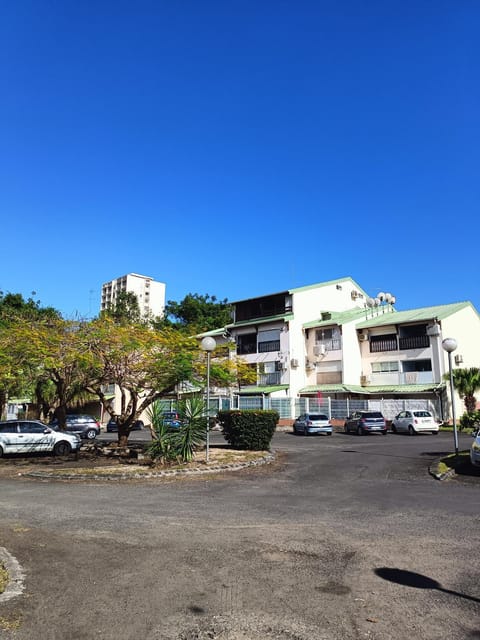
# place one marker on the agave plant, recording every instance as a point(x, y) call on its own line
point(164, 443)
point(192, 433)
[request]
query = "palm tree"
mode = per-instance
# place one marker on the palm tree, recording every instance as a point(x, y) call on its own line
point(467, 383)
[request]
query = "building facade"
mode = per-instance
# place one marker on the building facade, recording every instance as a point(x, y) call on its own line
point(150, 293)
point(328, 343)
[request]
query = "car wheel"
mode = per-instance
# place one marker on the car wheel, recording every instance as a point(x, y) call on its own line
point(91, 434)
point(394, 429)
point(434, 433)
point(345, 428)
point(1, 452)
point(384, 433)
point(411, 430)
point(305, 431)
point(62, 448)
point(329, 433)
point(360, 431)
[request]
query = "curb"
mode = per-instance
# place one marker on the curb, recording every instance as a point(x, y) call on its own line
point(16, 576)
point(433, 471)
point(136, 475)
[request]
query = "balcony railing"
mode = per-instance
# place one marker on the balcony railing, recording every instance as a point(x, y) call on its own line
point(333, 344)
point(269, 378)
point(269, 345)
point(414, 342)
point(389, 343)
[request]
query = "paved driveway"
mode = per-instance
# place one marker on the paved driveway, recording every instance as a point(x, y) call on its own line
point(345, 537)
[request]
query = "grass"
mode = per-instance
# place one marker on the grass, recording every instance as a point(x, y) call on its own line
point(3, 578)
point(459, 463)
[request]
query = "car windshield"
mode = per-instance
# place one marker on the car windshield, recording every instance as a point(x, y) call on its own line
point(372, 414)
point(318, 416)
point(422, 414)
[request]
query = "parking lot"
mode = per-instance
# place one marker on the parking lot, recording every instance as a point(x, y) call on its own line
point(303, 548)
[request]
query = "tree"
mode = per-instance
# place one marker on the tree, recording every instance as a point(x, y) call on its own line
point(50, 352)
point(143, 363)
point(197, 312)
point(126, 309)
point(467, 383)
point(14, 364)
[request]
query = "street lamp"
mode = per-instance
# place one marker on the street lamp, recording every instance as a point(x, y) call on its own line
point(208, 344)
point(449, 345)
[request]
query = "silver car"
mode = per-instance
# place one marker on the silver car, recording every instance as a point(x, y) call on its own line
point(30, 436)
point(309, 423)
point(413, 422)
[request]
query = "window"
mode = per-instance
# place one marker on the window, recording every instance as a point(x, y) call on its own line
point(31, 427)
point(247, 343)
point(385, 367)
point(387, 342)
point(416, 365)
point(269, 340)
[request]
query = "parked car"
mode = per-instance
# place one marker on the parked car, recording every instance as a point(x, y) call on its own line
point(309, 423)
point(86, 426)
point(362, 422)
point(172, 419)
point(30, 436)
point(475, 449)
point(413, 422)
point(112, 425)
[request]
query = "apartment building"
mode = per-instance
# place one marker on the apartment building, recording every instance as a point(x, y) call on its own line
point(327, 342)
point(150, 293)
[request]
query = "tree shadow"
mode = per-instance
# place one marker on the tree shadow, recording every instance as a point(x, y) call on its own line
point(418, 581)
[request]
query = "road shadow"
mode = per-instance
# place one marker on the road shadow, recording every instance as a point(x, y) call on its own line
point(417, 581)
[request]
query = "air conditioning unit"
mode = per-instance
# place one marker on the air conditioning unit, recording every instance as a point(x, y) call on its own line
point(319, 350)
point(433, 330)
point(354, 294)
point(294, 363)
point(364, 380)
point(309, 366)
point(363, 337)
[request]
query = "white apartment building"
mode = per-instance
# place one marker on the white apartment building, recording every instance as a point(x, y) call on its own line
point(150, 293)
point(322, 344)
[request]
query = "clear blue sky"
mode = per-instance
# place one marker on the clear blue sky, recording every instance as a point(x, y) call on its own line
point(238, 147)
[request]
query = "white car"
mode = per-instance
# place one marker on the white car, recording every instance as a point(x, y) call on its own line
point(30, 436)
point(475, 450)
point(413, 422)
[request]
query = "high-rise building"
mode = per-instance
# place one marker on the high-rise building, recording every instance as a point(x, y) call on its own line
point(150, 293)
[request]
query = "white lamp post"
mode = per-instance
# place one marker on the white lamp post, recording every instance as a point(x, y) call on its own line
point(208, 344)
point(449, 345)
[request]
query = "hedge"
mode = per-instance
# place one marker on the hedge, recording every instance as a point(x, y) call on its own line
point(249, 429)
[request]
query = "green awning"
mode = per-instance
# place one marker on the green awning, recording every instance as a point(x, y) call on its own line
point(255, 391)
point(373, 389)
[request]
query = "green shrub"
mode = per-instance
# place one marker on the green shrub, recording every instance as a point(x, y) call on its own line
point(251, 429)
point(470, 420)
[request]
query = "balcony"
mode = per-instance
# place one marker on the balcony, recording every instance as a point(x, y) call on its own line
point(397, 378)
point(414, 342)
point(333, 344)
point(267, 379)
point(270, 345)
point(383, 343)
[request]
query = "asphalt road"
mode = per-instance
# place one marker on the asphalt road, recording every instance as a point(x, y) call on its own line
point(343, 537)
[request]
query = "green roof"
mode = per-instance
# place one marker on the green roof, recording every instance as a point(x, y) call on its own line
point(243, 323)
point(328, 283)
point(438, 312)
point(373, 390)
point(258, 390)
point(212, 332)
point(337, 317)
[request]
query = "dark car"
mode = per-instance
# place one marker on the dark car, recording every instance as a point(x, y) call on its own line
point(85, 426)
point(171, 419)
point(363, 422)
point(113, 427)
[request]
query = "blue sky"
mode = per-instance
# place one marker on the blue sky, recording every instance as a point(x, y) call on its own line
point(238, 148)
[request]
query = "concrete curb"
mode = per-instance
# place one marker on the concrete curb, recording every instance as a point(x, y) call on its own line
point(136, 475)
point(16, 576)
point(433, 471)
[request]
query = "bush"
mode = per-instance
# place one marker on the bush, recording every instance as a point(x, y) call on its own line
point(250, 430)
point(470, 420)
